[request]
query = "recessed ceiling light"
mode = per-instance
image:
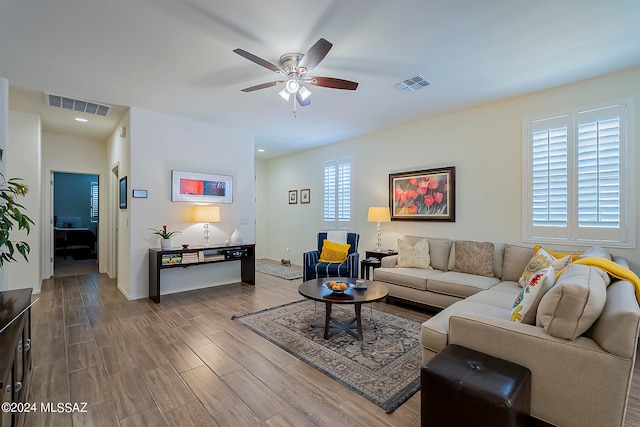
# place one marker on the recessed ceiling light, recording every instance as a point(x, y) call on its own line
point(260, 150)
point(80, 119)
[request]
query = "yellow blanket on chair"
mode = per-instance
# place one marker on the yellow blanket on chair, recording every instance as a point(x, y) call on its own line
point(613, 269)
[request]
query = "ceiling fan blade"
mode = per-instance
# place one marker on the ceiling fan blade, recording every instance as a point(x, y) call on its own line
point(315, 54)
point(303, 103)
point(332, 83)
point(263, 62)
point(262, 86)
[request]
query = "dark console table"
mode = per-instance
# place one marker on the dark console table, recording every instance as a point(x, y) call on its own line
point(160, 259)
point(15, 354)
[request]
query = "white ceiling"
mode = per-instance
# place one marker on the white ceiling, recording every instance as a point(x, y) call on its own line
point(176, 57)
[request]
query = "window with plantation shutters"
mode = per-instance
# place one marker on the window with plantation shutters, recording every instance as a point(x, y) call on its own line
point(94, 202)
point(336, 209)
point(578, 186)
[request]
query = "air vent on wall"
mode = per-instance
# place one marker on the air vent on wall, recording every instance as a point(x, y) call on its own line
point(413, 83)
point(76, 104)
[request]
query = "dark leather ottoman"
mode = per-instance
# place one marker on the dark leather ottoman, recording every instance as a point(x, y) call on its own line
point(463, 387)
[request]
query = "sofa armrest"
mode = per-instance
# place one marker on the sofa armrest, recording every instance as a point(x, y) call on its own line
point(389, 261)
point(574, 383)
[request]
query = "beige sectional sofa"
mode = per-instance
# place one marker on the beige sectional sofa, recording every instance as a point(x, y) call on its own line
point(582, 381)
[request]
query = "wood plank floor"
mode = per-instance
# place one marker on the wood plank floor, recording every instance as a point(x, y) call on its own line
point(185, 362)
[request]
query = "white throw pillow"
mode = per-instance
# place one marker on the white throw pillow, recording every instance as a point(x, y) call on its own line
point(526, 304)
point(542, 259)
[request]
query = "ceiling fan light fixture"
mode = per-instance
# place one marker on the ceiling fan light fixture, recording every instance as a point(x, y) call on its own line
point(292, 85)
point(304, 93)
point(284, 93)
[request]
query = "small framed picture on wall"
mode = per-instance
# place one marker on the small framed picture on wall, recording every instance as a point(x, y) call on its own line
point(293, 197)
point(305, 195)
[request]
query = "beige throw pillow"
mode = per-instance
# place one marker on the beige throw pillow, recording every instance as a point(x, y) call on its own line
point(416, 256)
point(574, 303)
point(474, 257)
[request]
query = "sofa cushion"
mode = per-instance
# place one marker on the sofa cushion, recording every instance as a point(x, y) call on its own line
point(526, 304)
point(459, 284)
point(411, 277)
point(474, 257)
point(569, 308)
point(434, 333)
point(542, 259)
point(498, 296)
point(516, 259)
point(416, 256)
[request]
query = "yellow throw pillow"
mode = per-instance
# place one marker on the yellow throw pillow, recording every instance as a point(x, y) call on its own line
point(334, 252)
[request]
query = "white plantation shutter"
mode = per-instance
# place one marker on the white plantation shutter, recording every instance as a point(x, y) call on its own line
point(578, 187)
point(549, 173)
point(599, 171)
point(337, 193)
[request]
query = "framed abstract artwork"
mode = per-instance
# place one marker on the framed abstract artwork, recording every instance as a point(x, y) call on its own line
point(201, 187)
point(425, 195)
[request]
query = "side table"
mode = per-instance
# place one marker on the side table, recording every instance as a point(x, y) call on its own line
point(367, 263)
point(373, 260)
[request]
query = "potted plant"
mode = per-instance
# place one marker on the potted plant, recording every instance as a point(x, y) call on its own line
point(11, 215)
point(165, 235)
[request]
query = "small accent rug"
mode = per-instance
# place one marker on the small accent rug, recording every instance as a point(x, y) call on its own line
point(278, 270)
point(385, 369)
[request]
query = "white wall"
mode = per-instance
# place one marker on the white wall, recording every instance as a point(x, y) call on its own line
point(64, 153)
point(158, 145)
point(484, 143)
point(23, 160)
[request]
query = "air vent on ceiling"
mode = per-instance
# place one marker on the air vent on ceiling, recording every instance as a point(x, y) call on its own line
point(413, 83)
point(80, 105)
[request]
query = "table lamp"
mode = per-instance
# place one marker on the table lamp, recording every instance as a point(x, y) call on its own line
point(379, 214)
point(206, 214)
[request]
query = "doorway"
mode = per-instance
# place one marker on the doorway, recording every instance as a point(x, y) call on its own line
point(75, 223)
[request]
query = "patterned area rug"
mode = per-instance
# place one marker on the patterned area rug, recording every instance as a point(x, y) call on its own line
point(278, 270)
point(385, 368)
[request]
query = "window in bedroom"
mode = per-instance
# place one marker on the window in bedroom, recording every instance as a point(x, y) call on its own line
point(579, 177)
point(94, 202)
point(336, 201)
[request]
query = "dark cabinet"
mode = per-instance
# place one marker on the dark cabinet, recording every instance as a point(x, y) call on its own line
point(15, 353)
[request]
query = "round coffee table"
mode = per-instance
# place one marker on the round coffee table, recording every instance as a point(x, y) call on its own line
point(316, 290)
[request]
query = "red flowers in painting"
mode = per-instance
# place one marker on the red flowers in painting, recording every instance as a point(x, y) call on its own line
point(422, 195)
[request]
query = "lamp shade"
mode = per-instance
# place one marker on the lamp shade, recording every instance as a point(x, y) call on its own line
point(379, 214)
point(206, 214)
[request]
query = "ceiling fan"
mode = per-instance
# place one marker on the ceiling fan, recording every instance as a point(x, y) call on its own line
point(294, 66)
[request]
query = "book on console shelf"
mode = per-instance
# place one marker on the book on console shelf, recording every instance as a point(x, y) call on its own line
point(168, 259)
point(190, 258)
point(211, 255)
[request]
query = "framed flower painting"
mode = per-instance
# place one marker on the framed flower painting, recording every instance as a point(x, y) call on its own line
point(426, 195)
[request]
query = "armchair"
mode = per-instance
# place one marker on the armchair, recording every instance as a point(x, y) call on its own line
point(313, 268)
